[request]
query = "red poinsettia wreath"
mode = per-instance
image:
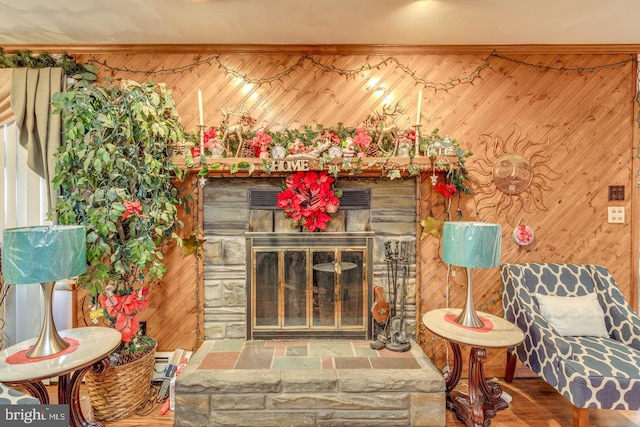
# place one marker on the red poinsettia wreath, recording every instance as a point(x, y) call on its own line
point(309, 199)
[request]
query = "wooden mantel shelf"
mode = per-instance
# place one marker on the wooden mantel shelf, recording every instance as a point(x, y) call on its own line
point(364, 167)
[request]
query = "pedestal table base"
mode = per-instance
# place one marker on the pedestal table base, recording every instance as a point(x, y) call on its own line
point(476, 408)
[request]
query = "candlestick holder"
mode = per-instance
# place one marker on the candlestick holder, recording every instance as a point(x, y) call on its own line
point(201, 126)
point(417, 132)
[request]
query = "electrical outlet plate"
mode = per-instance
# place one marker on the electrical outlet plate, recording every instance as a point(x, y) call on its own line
point(616, 215)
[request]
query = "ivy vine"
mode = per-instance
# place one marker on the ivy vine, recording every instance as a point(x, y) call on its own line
point(26, 59)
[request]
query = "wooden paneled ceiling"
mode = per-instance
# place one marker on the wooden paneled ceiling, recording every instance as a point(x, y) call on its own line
point(368, 22)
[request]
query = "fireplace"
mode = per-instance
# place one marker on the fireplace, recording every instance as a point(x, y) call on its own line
point(312, 285)
point(263, 279)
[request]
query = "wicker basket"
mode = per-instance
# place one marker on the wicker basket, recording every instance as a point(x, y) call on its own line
point(120, 391)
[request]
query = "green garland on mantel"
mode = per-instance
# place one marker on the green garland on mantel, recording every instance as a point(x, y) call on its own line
point(26, 59)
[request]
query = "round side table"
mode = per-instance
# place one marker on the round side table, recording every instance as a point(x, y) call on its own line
point(484, 399)
point(94, 345)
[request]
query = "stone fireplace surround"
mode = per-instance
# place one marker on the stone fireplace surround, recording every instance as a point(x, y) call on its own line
point(232, 381)
point(315, 383)
point(227, 217)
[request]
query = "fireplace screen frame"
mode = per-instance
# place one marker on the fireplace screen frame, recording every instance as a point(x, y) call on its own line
point(345, 246)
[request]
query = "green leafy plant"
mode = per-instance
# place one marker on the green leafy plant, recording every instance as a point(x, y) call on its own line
point(115, 177)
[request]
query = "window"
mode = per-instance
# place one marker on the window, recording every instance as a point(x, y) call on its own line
point(24, 203)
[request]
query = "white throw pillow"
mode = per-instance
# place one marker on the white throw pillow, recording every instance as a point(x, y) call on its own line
point(574, 316)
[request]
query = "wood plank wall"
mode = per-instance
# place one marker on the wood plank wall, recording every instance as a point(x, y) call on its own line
point(576, 127)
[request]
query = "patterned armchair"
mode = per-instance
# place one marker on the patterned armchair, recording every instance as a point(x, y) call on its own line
point(9, 396)
point(601, 372)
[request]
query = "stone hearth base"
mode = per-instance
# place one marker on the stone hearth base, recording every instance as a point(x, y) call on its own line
point(308, 383)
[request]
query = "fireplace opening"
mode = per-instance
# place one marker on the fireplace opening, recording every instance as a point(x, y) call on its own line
point(311, 285)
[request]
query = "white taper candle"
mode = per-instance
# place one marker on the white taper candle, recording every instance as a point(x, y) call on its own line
point(419, 107)
point(200, 111)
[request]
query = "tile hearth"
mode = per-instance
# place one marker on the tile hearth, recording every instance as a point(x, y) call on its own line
point(308, 383)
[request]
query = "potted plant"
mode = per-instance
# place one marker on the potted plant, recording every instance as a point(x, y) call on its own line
point(115, 177)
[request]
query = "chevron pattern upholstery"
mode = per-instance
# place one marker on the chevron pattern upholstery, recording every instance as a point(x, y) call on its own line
point(590, 372)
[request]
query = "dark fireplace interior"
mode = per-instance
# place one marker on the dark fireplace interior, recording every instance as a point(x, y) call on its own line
point(309, 285)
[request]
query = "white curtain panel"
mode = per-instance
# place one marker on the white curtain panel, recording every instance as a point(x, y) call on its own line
point(24, 203)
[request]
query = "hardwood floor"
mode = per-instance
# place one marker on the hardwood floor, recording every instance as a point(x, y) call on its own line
point(534, 404)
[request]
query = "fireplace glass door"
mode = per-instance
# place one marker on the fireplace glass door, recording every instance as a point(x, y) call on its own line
point(309, 291)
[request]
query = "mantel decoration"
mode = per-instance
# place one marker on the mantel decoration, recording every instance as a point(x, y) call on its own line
point(378, 143)
point(379, 136)
point(115, 178)
point(309, 199)
point(455, 180)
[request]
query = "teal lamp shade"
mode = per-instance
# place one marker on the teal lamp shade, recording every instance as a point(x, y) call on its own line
point(43, 253)
point(471, 244)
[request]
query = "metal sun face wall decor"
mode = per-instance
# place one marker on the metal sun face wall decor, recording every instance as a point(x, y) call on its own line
point(512, 173)
point(518, 168)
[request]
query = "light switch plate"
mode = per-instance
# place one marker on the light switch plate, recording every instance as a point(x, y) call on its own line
point(616, 214)
point(616, 192)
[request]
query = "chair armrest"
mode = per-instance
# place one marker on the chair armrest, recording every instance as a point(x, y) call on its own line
point(624, 326)
point(542, 348)
point(541, 333)
point(521, 308)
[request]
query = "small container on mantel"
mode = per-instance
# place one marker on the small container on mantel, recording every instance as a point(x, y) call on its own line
point(278, 152)
point(347, 152)
point(217, 151)
point(404, 149)
point(335, 151)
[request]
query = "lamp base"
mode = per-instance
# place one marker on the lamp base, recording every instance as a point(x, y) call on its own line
point(468, 317)
point(49, 342)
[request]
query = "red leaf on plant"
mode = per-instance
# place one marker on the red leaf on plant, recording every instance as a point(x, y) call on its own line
point(132, 208)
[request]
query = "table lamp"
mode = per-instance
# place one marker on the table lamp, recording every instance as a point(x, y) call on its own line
point(44, 254)
point(471, 245)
